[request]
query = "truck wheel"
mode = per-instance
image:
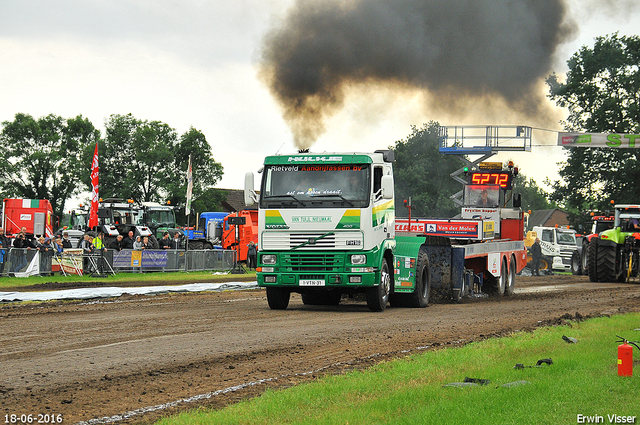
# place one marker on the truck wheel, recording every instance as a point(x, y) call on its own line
point(420, 296)
point(378, 296)
point(576, 263)
point(511, 281)
point(278, 298)
point(592, 251)
point(502, 281)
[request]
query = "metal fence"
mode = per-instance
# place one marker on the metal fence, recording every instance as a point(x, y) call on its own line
point(22, 262)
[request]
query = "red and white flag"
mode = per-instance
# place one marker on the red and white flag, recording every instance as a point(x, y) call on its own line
point(187, 209)
point(93, 213)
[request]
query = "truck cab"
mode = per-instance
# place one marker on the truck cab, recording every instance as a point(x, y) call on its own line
point(557, 244)
point(326, 226)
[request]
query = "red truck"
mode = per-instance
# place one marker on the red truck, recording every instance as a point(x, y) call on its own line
point(36, 215)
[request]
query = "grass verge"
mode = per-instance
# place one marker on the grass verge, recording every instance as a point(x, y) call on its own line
point(582, 380)
point(122, 278)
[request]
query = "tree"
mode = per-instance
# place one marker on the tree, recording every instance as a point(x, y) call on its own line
point(533, 197)
point(423, 173)
point(137, 159)
point(206, 173)
point(43, 157)
point(602, 94)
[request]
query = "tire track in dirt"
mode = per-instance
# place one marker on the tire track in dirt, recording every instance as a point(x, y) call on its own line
point(103, 359)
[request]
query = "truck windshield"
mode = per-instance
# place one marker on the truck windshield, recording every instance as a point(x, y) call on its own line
point(161, 217)
point(317, 186)
point(566, 238)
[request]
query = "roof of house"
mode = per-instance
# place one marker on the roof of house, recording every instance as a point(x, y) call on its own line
point(541, 217)
point(235, 201)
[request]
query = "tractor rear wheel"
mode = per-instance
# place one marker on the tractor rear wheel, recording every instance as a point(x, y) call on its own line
point(607, 264)
point(592, 263)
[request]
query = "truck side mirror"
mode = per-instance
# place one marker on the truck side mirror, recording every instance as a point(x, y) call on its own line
point(517, 200)
point(387, 187)
point(249, 194)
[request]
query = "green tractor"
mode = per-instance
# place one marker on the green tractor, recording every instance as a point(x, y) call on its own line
point(613, 255)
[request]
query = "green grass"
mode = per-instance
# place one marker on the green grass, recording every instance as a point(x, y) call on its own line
point(582, 380)
point(121, 278)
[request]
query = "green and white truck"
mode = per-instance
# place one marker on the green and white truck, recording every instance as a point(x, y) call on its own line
point(327, 227)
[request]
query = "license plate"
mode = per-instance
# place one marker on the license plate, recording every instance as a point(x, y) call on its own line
point(311, 282)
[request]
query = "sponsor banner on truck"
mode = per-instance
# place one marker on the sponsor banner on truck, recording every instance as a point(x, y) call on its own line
point(468, 229)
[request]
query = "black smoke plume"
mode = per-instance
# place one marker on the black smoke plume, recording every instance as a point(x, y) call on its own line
point(456, 50)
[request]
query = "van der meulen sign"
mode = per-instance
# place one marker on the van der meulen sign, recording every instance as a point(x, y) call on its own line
point(598, 140)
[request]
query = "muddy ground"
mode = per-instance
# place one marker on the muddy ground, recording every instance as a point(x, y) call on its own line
point(152, 356)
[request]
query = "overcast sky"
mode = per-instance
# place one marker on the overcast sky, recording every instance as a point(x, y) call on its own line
point(196, 62)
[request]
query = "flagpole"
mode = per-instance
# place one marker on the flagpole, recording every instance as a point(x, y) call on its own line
point(187, 210)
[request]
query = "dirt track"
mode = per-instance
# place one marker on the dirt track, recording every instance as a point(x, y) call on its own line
point(96, 359)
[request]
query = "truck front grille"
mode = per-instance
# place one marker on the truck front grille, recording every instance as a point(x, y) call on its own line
point(310, 262)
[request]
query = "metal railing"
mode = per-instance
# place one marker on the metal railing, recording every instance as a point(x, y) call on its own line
point(21, 262)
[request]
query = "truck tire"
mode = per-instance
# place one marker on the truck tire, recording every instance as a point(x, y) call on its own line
point(378, 296)
point(592, 252)
point(511, 280)
point(419, 298)
point(576, 263)
point(496, 285)
point(278, 298)
point(504, 276)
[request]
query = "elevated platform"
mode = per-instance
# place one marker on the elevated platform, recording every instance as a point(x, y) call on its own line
point(483, 140)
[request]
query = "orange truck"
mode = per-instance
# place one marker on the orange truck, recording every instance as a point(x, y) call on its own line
point(237, 236)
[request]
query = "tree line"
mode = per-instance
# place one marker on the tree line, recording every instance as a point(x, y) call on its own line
point(49, 157)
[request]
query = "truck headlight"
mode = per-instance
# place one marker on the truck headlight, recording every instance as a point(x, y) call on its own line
point(269, 259)
point(358, 259)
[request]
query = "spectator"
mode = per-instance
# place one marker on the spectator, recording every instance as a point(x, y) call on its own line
point(3, 254)
point(252, 255)
point(87, 250)
point(46, 252)
point(117, 244)
point(165, 242)
point(19, 254)
point(6, 245)
point(145, 243)
point(137, 244)
point(98, 241)
point(175, 242)
point(66, 242)
point(58, 246)
point(128, 241)
point(536, 253)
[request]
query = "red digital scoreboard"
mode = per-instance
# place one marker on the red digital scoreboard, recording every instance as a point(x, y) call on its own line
point(504, 179)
